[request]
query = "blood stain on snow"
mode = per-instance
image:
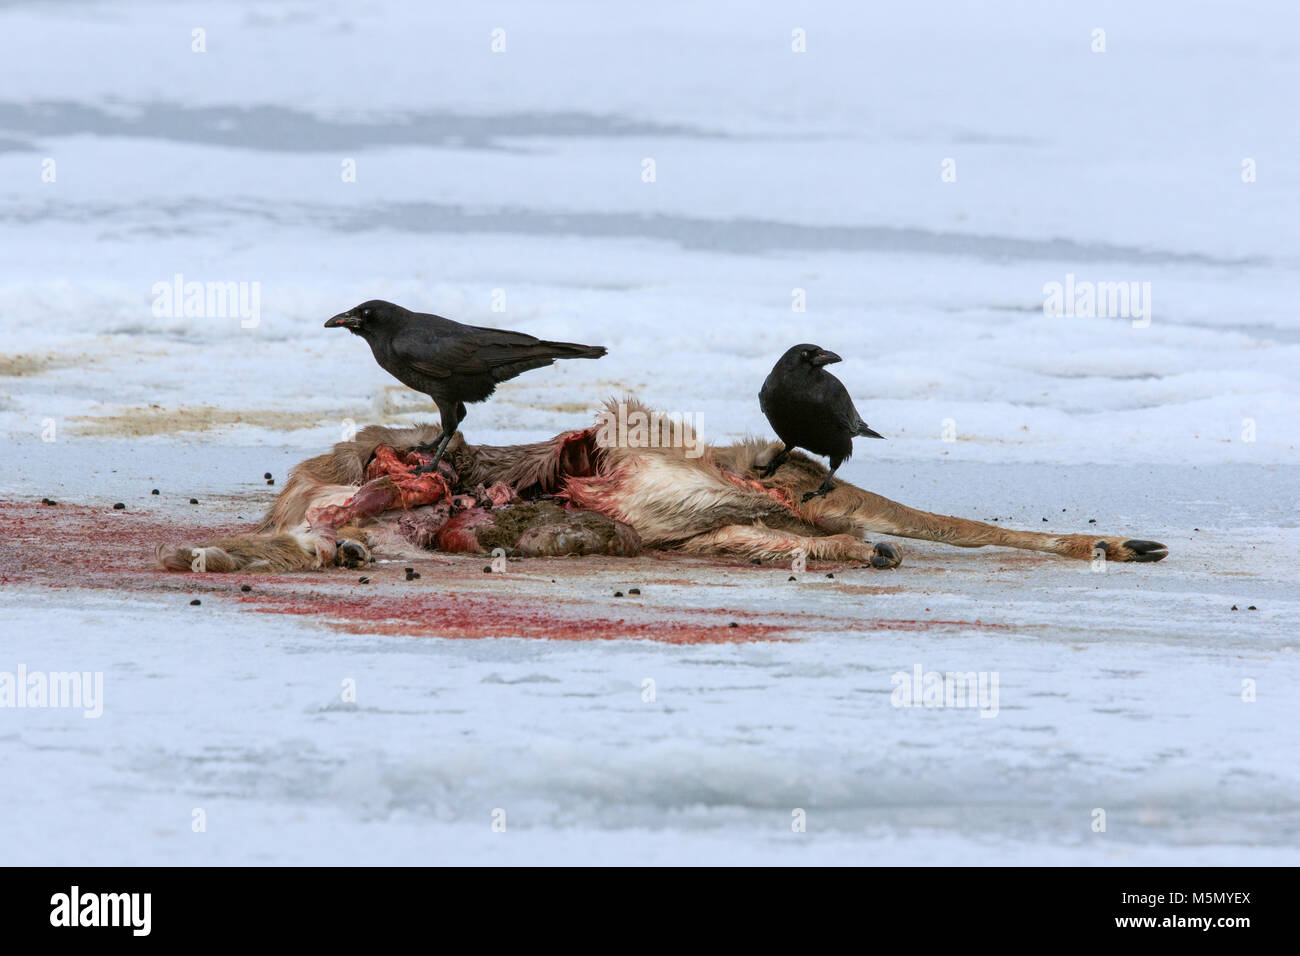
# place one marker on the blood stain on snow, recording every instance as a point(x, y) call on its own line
point(450, 616)
point(70, 546)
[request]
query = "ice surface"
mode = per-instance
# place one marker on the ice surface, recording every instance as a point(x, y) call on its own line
point(519, 174)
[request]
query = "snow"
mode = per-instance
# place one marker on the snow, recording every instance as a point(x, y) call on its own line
point(519, 174)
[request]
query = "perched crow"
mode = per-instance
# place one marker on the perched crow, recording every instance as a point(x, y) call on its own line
point(451, 363)
point(810, 408)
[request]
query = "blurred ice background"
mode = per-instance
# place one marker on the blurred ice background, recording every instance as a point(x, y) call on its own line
point(515, 177)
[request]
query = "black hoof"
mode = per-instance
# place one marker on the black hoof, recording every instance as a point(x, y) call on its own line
point(885, 556)
point(1146, 550)
point(352, 554)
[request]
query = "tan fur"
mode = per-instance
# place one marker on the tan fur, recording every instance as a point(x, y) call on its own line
point(756, 541)
point(851, 510)
point(273, 552)
point(714, 503)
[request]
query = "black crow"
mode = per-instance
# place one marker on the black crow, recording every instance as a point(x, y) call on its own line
point(810, 408)
point(451, 363)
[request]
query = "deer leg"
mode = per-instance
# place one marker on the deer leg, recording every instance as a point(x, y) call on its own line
point(758, 541)
point(860, 512)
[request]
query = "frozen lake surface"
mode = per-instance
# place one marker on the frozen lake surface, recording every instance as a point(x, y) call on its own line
point(796, 197)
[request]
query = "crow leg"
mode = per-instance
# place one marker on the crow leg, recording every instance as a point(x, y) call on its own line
point(438, 451)
point(768, 470)
point(826, 485)
point(452, 416)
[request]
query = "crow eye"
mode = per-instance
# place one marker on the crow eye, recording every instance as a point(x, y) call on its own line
point(365, 313)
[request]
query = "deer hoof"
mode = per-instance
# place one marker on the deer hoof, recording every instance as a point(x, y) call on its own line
point(885, 556)
point(352, 554)
point(1145, 550)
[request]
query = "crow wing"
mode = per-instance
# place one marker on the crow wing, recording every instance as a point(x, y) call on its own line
point(837, 402)
point(474, 351)
point(840, 404)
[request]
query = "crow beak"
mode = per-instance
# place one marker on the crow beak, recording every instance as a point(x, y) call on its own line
point(344, 320)
point(825, 358)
